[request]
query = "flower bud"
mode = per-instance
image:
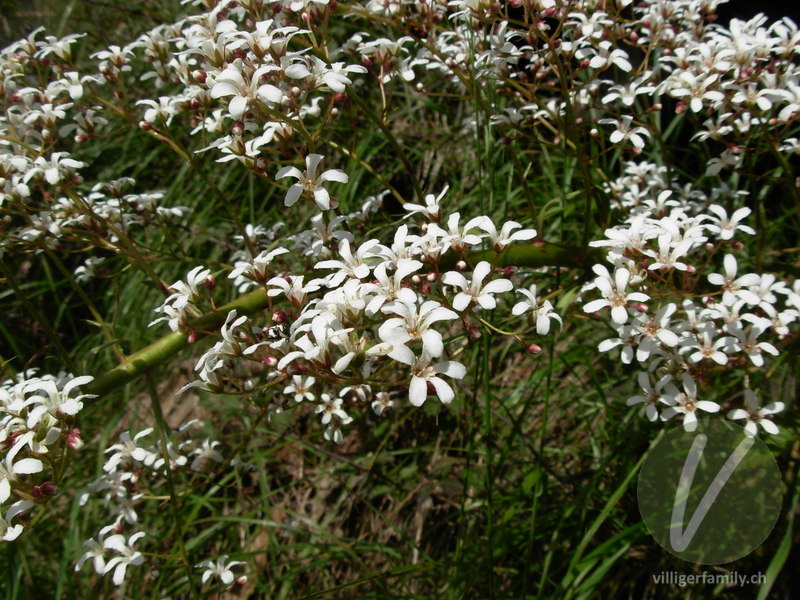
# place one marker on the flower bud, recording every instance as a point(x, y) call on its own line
point(431, 277)
point(534, 349)
point(145, 125)
point(48, 488)
point(210, 282)
point(510, 270)
point(74, 439)
point(461, 265)
point(270, 361)
point(192, 337)
point(279, 317)
point(474, 332)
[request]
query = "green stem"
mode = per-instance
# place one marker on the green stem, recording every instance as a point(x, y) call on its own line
point(161, 350)
point(173, 499)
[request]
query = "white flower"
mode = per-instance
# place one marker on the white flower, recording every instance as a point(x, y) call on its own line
point(505, 236)
point(310, 182)
point(725, 227)
point(614, 294)
point(542, 314)
point(221, 569)
point(756, 416)
point(431, 209)
point(128, 449)
point(300, 388)
point(414, 324)
point(747, 342)
point(732, 285)
point(334, 416)
point(650, 395)
point(382, 402)
point(685, 403)
point(423, 372)
point(624, 131)
point(127, 555)
point(475, 292)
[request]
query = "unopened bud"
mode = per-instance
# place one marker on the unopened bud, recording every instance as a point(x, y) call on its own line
point(461, 265)
point(192, 337)
point(474, 332)
point(510, 270)
point(238, 128)
point(48, 488)
point(416, 279)
point(145, 125)
point(425, 288)
point(74, 439)
point(534, 349)
point(270, 361)
point(210, 282)
point(431, 277)
point(339, 97)
point(279, 317)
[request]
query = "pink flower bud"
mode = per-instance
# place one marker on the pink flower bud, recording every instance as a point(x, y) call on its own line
point(279, 317)
point(474, 332)
point(270, 361)
point(534, 349)
point(461, 265)
point(431, 277)
point(192, 337)
point(74, 439)
point(210, 282)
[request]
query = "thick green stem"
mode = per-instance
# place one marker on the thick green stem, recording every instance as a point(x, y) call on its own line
point(161, 350)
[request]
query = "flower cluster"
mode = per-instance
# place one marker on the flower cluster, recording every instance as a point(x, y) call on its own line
point(374, 311)
point(37, 418)
point(135, 468)
point(730, 324)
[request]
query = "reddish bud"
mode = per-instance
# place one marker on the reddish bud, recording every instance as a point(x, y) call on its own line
point(339, 97)
point(509, 271)
point(461, 265)
point(425, 288)
point(74, 439)
point(192, 337)
point(474, 332)
point(270, 361)
point(431, 277)
point(48, 488)
point(210, 282)
point(279, 317)
point(534, 349)
point(145, 125)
